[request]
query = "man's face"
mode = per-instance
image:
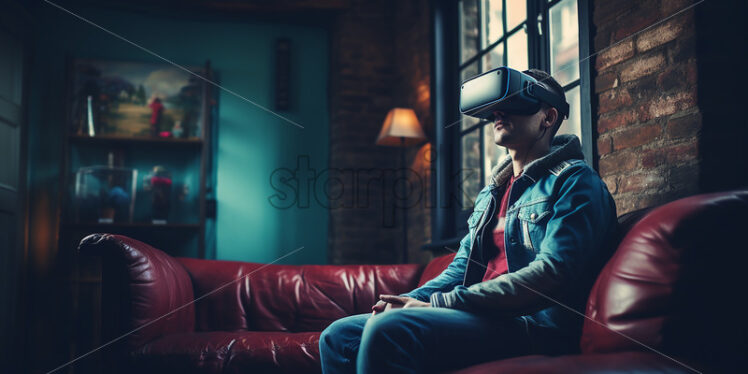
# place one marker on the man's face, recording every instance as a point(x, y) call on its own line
point(516, 131)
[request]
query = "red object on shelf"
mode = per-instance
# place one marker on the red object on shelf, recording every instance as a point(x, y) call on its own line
point(160, 180)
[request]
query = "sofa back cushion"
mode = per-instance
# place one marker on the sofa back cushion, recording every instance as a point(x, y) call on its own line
point(292, 298)
point(670, 281)
point(435, 267)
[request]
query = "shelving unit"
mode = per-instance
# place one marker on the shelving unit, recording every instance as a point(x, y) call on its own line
point(183, 234)
point(189, 158)
point(114, 140)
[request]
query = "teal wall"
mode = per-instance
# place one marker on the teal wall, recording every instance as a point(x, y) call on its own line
point(251, 143)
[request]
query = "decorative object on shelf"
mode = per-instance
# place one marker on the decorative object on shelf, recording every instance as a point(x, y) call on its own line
point(177, 130)
point(105, 194)
point(159, 183)
point(89, 116)
point(135, 99)
point(401, 129)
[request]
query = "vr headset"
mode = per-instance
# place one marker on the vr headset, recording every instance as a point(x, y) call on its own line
point(507, 90)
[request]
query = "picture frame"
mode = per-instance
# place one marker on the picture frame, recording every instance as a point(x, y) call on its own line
point(136, 99)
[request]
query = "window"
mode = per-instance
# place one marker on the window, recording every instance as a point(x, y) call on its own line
point(520, 34)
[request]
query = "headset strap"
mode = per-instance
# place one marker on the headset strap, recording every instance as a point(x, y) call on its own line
point(549, 97)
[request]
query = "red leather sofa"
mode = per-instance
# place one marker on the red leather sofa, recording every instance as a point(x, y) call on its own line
point(669, 296)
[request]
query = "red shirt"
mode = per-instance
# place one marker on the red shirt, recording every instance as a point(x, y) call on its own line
point(497, 264)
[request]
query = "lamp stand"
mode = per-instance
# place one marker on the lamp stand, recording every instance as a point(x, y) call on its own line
point(405, 208)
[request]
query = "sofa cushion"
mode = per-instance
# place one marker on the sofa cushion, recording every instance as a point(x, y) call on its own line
point(292, 298)
point(435, 267)
point(230, 352)
point(276, 352)
point(612, 363)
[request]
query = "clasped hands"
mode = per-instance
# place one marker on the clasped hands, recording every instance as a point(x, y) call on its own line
point(387, 302)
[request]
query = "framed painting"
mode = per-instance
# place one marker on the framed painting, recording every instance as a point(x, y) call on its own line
point(136, 99)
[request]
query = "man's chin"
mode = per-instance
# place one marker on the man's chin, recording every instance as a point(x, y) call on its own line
point(501, 141)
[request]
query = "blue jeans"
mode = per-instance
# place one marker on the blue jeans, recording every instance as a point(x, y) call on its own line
point(415, 340)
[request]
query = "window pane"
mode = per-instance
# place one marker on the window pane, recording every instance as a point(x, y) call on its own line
point(492, 21)
point(564, 30)
point(468, 29)
point(573, 124)
point(469, 71)
point(517, 51)
point(470, 172)
point(494, 58)
point(466, 73)
point(468, 121)
point(516, 13)
point(492, 153)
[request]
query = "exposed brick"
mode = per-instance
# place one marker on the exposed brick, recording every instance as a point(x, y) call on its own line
point(642, 66)
point(683, 49)
point(602, 39)
point(684, 177)
point(641, 182)
point(624, 204)
point(604, 145)
point(617, 162)
point(643, 111)
point(611, 182)
point(646, 101)
point(660, 34)
point(610, 121)
point(643, 199)
point(605, 12)
point(670, 103)
point(640, 19)
point(691, 72)
point(634, 137)
point(606, 81)
point(669, 7)
point(673, 77)
point(613, 99)
point(670, 155)
point(366, 81)
point(682, 127)
point(614, 54)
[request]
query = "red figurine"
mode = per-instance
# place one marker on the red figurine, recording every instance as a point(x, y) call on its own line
point(157, 109)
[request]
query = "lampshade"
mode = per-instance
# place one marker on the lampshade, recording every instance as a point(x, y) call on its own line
point(400, 122)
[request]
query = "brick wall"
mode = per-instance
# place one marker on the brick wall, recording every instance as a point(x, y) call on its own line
point(379, 60)
point(413, 62)
point(648, 121)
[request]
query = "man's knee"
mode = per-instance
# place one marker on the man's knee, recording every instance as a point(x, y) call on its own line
point(387, 325)
point(343, 329)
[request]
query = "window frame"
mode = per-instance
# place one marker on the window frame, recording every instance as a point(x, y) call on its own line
point(449, 220)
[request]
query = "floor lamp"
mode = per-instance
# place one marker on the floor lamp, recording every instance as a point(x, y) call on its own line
point(401, 129)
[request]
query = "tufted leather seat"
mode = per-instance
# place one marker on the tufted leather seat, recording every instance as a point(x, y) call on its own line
point(666, 298)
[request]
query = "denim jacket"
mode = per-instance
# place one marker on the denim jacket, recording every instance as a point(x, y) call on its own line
point(560, 229)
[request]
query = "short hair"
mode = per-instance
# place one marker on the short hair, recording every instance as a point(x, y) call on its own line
point(547, 81)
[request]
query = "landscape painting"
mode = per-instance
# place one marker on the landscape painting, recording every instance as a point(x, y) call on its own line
point(136, 99)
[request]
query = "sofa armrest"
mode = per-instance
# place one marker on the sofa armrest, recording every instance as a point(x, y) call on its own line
point(145, 292)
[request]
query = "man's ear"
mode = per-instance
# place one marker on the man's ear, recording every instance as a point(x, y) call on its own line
point(551, 115)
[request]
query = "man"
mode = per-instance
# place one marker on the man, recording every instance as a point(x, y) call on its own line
point(538, 236)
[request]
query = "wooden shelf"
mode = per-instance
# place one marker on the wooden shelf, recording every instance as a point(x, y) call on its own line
point(132, 225)
point(128, 140)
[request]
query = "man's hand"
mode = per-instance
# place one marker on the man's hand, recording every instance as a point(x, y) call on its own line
point(382, 306)
point(387, 302)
